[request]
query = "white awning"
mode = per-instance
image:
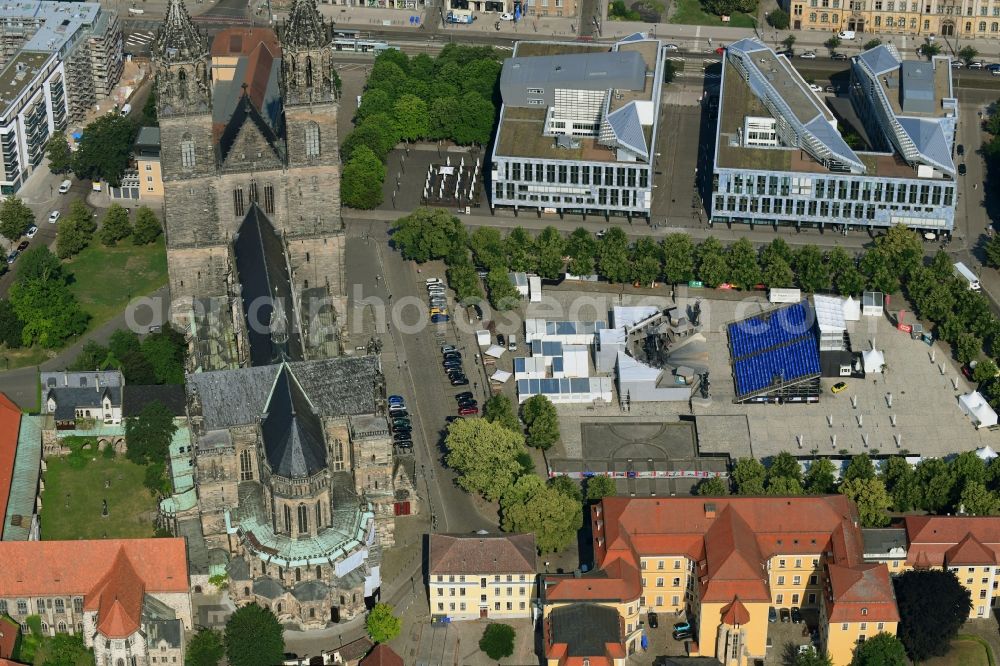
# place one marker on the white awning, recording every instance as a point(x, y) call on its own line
point(500, 376)
point(986, 453)
point(496, 351)
point(974, 406)
point(874, 360)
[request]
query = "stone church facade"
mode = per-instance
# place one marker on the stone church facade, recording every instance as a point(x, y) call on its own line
point(249, 127)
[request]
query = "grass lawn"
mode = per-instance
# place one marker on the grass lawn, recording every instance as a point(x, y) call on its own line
point(72, 500)
point(105, 278)
point(689, 12)
point(964, 652)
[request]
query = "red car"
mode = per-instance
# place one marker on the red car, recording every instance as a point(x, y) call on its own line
point(720, 51)
point(468, 411)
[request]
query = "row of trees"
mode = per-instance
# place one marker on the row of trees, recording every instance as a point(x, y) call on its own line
point(448, 98)
point(79, 228)
point(934, 485)
point(157, 359)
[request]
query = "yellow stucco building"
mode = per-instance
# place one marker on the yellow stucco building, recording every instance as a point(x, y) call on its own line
point(968, 19)
point(721, 564)
point(966, 545)
point(472, 576)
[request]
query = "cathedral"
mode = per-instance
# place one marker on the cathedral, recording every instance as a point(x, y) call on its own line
point(251, 171)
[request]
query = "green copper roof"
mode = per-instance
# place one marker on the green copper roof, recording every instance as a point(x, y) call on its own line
point(24, 485)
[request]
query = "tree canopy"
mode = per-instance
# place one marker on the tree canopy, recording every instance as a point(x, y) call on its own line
point(59, 154)
point(531, 506)
point(382, 626)
point(427, 233)
point(115, 226)
point(105, 149)
point(149, 433)
point(540, 416)
point(933, 605)
point(147, 227)
point(882, 649)
point(15, 218)
point(205, 648)
point(362, 178)
point(254, 637)
point(497, 641)
point(500, 410)
point(484, 455)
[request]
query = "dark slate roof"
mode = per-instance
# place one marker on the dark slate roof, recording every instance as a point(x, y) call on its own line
point(291, 430)
point(311, 590)
point(266, 291)
point(268, 588)
point(585, 628)
point(246, 112)
point(238, 569)
point(880, 540)
point(138, 396)
point(336, 387)
point(68, 398)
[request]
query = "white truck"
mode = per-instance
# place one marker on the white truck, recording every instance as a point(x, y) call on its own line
point(962, 271)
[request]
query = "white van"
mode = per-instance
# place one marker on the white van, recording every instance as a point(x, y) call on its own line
point(512, 342)
point(65, 185)
point(962, 271)
point(127, 109)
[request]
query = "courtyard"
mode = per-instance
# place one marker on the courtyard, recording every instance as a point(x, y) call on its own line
point(73, 499)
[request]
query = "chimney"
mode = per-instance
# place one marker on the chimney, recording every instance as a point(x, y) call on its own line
point(710, 509)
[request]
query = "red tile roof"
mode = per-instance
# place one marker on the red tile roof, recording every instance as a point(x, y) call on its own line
point(10, 425)
point(52, 568)
point(481, 554)
point(117, 598)
point(735, 613)
point(8, 662)
point(9, 631)
point(861, 593)
point(382, 655)
point(957, 540)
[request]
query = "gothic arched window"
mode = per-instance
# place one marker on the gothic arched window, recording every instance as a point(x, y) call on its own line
point(309, 71)
point(246, 467)
point(187, 151)
point(288, 519)
point(312, 139)
point(182, 84)
point(303, 519)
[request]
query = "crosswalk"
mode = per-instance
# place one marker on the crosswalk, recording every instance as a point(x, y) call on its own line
point(139, 40)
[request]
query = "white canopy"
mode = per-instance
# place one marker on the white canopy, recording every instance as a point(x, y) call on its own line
point(496, 351)
point(986, 453)
point(852, 309)
point(829, 313)
point(874, 360)
point(500, 376)
point(974, 406)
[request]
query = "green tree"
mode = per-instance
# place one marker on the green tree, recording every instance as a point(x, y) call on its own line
point(967, 54)
point(116, 226)
point(744, 271)
point(777, 273)
point(71, 239)
point(59, 154)
point(613, 257)
point(599, 487)
point(646, 261)
point(105, 149)
point(581, 247)
point(901, 482)
point(783, 485)
point(155, 479)
point(205, 648)
point(871, 43)
point(377, 132)
point(549, 247)
point(820, 478)
point(872, 500)
point(484, 455)
point(488, 248)
point(147, 227)
point(412, 117)
point(426, 234)
point(500, 410)
point(850, 281)
point(474, 124)
point(713, 486)
point(978, 500)
point(784, 465)
point(149, 433)
point(882, 649)
point(11, 326)
point(362, 178)
point(811, 657)
point(748, 476)
point(833, 43)
point(938, 483)
point(148, 116)
point(39, 262)
point(382, 626)
point(788, 42)
point(967, 347)
point(49, 311)
point(881, 276)
point(678, 258)
point(463, 279)
point(902, 247)
point(860, 467)
point(521, 251)
point(968, 466)
point(710, 259)
point(540, 415)
point(254, 637)
point(497, 641)
point(63, 650)
point(531, 506)
point(503, 294)
point(810, 269)
point(15, 218)
point(568, 487)
point(165, 351)
point(933, 605)
point(984, 370)
point(669, 71)
point(993, 251)
point(778, 19)
point(121, 344)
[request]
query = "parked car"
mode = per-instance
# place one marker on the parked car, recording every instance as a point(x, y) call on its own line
point(400, 436)
point(32, 230)
point(468, 411)
point(993, 67)
point(785, 615)
point(772, 614)
point(979, 64)
point(682, 635)
point(962, 170)
point(22, 246)
point(839, 56)
point(440, 319)
point(12, 257)
point(808, 55)
point(838, 387)
point(54, 216)
point(464, 395)
point(501, 340)
point(439, 311)
point(652, 620)
point(448, 348)
point(453, 354)
point(960, 149)
point(796, 615)
point(65, 186)
point(399, 414)
point(830, 89)
point(459, 380)
point(396, 400)
point(468, 403)
point(433, 280)
point(682, 626)
point(957, 64)
point(405, 445)
point(815, 88)
point(847, 35)
point(479, 311)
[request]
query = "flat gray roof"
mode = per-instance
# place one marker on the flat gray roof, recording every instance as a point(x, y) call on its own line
point(572, 71)
point(19, 72)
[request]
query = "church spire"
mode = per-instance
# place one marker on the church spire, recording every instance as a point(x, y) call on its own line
point(304, 28)
point(178, 40)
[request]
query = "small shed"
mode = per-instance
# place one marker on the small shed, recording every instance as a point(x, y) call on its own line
point(535, 289)
point(520, 282)
point(974, 406)
point(484, 338)
point(872, 303)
